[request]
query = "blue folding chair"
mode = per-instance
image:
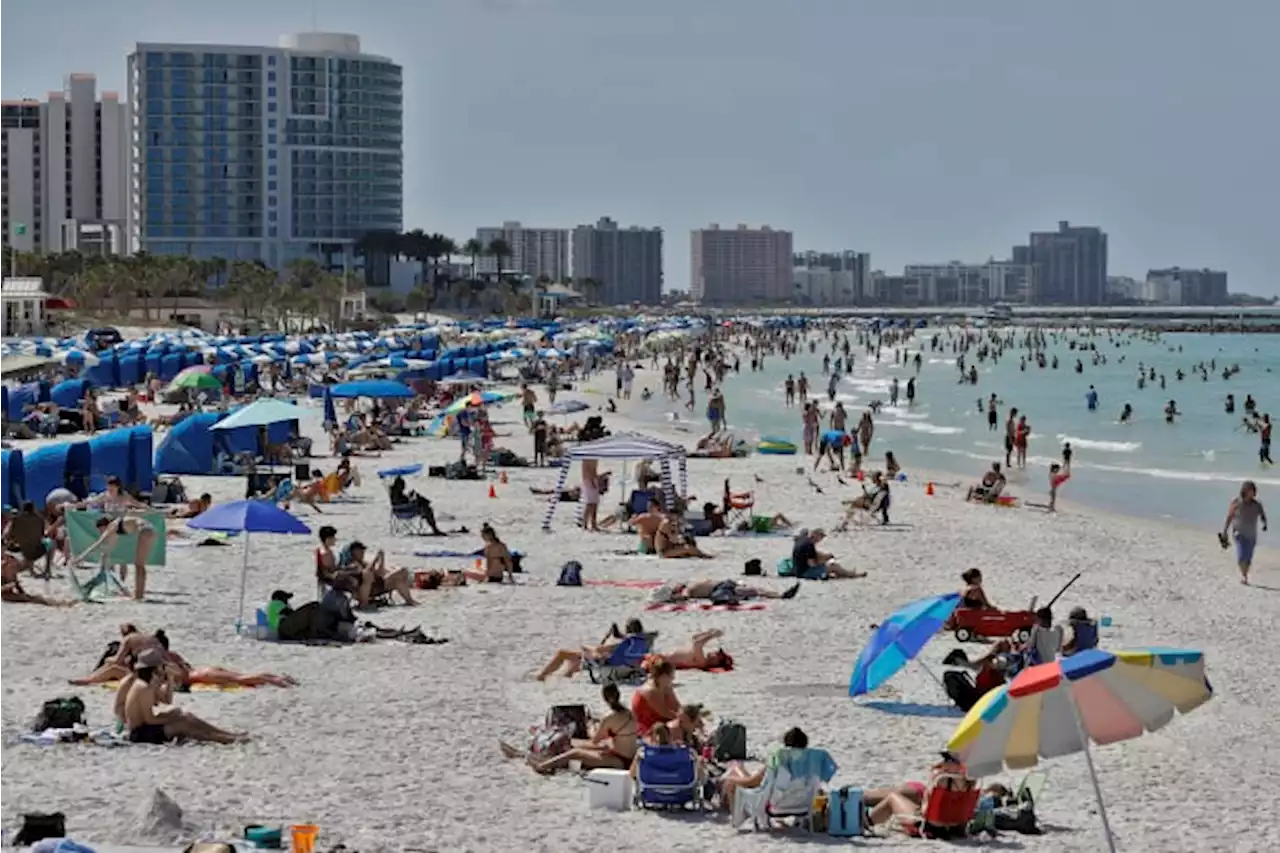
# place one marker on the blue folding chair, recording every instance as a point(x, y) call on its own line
point(624, 664)
point(667, 778)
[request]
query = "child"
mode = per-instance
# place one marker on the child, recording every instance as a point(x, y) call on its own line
point(1057, 476)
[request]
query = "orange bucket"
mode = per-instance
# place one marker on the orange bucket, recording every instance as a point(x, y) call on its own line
point(304, 837)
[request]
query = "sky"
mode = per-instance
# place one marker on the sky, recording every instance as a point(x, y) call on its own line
point(916, 130)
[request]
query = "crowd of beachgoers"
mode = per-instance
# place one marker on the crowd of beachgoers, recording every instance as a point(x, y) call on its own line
point(600, 589)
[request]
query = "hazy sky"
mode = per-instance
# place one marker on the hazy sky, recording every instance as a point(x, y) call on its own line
point(917, 130)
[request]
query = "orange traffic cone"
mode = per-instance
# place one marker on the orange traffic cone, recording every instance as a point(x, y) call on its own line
point(493, 493)
point(928, 489)
point(502, 478)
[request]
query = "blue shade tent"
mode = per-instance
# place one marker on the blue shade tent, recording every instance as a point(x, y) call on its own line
point(899, 639)
point(112, 456)
point(106, 373)
point(56, 466)
point(132, 369)
point(14, 481)
point(192, 446)
point(70, 393)
point(142, 439)
point(383, 389)
point(25, 395)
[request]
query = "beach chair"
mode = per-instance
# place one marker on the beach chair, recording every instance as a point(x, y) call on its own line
point(624, 664)
point(667, 778)
point(950, 802)
point(403, 519)
point(1084, 635)
point(780, 796)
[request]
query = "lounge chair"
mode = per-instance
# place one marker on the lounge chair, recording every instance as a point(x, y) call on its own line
point(623, 666)
point(779, 796)
point(667, 778)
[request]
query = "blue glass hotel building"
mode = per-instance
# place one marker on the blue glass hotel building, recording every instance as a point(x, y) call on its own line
point(264, 153)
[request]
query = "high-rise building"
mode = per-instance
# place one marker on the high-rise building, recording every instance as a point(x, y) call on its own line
point(957, 283)
point(740, 266)
point(1177, 286)
point(264, 153)
point(1070, 265)
point(535, 252)
point(832, 278)
point(64, 168)
point(627, 262)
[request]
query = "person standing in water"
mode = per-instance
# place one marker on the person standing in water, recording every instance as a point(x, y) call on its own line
point(1244, 515)
point(1010, 427)
point(1091, 399)
point(1264, 437)
point(993, 414)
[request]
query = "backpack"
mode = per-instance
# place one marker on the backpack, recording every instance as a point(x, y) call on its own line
point(570, 574)
point(59, 714)
point(960, 687)
point(752, 568)
point(725, 592)
point(37, 827)
point(729, 741)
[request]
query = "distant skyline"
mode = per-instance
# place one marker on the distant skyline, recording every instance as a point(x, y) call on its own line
point(916, 130)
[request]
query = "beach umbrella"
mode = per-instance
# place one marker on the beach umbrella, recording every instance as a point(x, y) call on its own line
point(476, 398)
point(196, 379)
point(76, 358)
point(247, 517)
point(383, 389)
point(1058, 708)
point(260, 413)
point(464, 379)
point(899, 639)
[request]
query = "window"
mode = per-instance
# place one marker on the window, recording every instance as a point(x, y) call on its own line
point(271, 60)
point(271, 186)
point(271, 232)
point(271, 153)
point(271, 201)
point(271, 106)
point(271, 139)
point(271, 123)
point(271, 169)
point(271, 77)
point(271, 91)
point(271, 216)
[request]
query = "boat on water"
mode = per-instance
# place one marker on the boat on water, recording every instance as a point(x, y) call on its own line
point(1001, 312)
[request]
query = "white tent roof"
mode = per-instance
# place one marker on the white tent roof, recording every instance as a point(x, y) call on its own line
point(626, 445)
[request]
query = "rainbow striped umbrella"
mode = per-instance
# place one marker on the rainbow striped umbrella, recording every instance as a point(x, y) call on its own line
point(1093, 696)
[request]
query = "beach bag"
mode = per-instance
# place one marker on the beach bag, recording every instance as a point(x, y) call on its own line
point(786, 568)
point(961, 689)
point(752, 568)
point(725, 592)
point(36, 827)
point(573, 717)
point(844, 812)
point(549, 741)
point(59, 714)
point(729, 741)
point(1018, 817)
point(570, 574)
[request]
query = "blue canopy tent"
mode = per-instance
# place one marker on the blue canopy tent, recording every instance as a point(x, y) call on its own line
point(376, 388)
point(131, 369)
point(142, 440)
point(26, 395)
point(14, 481)
point(192, 446)
point(170, 365)
point(57, 466)
point(111, 456)
point(70, 393)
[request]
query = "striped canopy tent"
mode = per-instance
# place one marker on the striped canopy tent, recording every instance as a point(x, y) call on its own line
point(624, 446)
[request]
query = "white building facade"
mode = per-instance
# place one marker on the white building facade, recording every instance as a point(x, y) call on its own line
point(833, 278)
point(741, 266)
point(956, 283)
point(66, 170)
point(535, 252)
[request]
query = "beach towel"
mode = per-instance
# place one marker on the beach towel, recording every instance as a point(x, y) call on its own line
point(80, 527)
point(702, 607)
point(56, 737)
point(195, 688)
point(626, 584)
point(479, 552)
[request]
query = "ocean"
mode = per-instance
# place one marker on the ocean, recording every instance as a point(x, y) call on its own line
point(1184, 472)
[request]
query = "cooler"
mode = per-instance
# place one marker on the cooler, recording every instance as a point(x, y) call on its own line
point(609, 789)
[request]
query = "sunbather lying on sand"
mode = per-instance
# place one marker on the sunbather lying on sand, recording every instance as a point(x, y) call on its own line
point(695, 656)
point(120, 656)
point(572, 659)
point(193, 507)
point(669, 593)
point(189, 675)
point(138, 702)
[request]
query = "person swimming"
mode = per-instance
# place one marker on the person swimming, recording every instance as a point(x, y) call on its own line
point(1126, 413)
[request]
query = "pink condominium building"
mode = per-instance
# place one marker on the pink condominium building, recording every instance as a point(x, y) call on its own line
point(740, 266)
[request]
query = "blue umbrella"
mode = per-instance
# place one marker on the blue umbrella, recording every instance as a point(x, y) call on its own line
point(899, 639)
point(247, 517)
point(377, 388)
point(401, 471)
point(330, 413)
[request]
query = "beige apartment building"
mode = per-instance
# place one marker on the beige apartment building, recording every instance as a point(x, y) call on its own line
point(740, 266)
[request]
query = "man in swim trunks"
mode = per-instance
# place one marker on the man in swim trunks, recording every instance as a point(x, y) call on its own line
point(148, 688)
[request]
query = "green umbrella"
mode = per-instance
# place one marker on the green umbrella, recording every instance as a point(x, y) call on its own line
point(196, 381)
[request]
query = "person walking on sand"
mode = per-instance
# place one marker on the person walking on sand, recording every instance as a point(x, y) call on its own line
point(1244, 514)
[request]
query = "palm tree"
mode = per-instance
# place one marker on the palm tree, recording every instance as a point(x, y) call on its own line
point(500, 249)
point(474, 249)
point(250, 285)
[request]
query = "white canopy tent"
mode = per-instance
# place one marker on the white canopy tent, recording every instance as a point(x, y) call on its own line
point(624, 446)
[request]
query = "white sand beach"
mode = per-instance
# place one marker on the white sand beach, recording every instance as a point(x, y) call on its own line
point(393, 747)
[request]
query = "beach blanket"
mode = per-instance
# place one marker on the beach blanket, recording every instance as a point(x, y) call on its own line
point(703, 607)
point(479, 552)
point(626, 584)
point(195, 688)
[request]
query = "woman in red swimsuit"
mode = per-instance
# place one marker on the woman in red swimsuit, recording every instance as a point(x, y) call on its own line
point(656, 701)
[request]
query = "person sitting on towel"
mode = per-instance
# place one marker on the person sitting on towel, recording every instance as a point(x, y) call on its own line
point(811, 564)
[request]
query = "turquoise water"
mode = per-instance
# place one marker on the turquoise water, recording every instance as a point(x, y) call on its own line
point(1185, 471)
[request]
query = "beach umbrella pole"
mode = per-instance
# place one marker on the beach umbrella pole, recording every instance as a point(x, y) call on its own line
point(1093, 772)
point(244, 577)
point(932, 674)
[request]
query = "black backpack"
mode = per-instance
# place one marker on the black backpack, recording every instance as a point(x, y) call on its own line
point(59, 714)
point(37, 827)
point(729, 741)
point(570, 574)
point(961, 689)
point(752, 568)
